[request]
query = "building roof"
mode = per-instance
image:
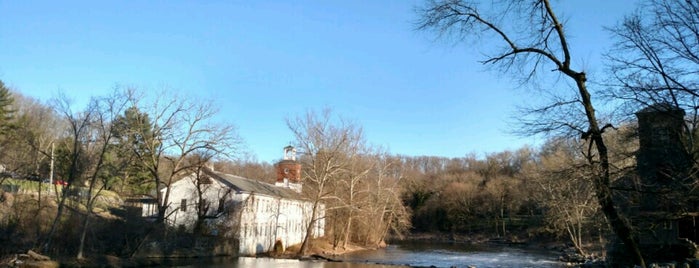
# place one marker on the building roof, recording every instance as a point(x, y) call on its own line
point(253, 186)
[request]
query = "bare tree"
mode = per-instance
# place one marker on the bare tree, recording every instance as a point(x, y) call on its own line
point(564, 189)
point(180, 127)
point(204, 191)
point(356, 172)
point(28, 145)
point(499, 191)
point(248, 168)
point(325, 145)
point(98, 147)
point(532, 39)
point(384, 208)
point(656, 60)
point(75, 137)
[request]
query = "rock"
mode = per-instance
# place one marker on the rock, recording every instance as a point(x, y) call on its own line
point(594, 264)
point(37, 257)
point(7, 198)
point(40, 264)
point(572, 257)
point(321, 257)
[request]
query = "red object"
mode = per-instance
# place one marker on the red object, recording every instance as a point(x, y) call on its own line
point(60, 182)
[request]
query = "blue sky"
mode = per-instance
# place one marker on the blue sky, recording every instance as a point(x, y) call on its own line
point(264, 61)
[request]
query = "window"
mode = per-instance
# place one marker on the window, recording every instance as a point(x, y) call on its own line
point(183, 205)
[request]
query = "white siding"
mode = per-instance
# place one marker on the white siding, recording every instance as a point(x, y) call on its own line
point(186, 189)
point(274, 219)
point(263, 219)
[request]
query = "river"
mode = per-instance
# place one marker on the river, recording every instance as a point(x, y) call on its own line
point(420, 254)
point(457, 255)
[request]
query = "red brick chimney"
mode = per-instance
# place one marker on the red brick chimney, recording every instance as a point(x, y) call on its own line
point(288, 170)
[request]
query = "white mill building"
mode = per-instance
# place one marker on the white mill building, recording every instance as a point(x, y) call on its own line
point(257, 214)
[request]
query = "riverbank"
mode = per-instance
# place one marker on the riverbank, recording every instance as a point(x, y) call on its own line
point(321, 249)
point(485, 240)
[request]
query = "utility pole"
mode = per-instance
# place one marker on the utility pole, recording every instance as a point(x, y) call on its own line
point(51, 167)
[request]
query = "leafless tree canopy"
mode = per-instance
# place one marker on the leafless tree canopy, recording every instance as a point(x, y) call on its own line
point(327, 147)
point(656, 56)
point(357, 184)
point(180, 128)
point(530, 37)
point(524, 40)
point(656, 59)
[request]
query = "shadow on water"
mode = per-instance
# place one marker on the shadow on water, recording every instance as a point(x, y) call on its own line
point(246, 262)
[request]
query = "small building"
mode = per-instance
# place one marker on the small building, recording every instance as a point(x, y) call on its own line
point(257, 214)
point(660, 202)
point(664, 170)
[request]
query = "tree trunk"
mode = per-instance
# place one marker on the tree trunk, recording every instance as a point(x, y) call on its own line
point(603, 191)
point(502, 215)
point(59, 213)
point(83, 235)
point(309, 230)
point(497, 226)
point(574, 231)
point(347, 230)
point(384, 232)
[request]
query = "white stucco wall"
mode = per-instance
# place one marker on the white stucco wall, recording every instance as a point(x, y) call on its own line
point(267, 219)
point(263, 219)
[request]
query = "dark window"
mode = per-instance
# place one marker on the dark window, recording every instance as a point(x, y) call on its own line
point(221, 203)
point(183, 205)
point(688, 228)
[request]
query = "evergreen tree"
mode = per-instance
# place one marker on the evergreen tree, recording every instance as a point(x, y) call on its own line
point(6, 109)
point(131, 131)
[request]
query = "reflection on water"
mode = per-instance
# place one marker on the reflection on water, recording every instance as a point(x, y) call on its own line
point(245, 262)
point(420, 254)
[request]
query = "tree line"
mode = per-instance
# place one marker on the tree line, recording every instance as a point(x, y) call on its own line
point(117, 143)
point(120, 145)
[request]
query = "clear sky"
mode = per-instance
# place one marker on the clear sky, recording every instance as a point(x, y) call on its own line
point(264, 61)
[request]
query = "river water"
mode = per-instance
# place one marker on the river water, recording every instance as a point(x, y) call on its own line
point(410, 255)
